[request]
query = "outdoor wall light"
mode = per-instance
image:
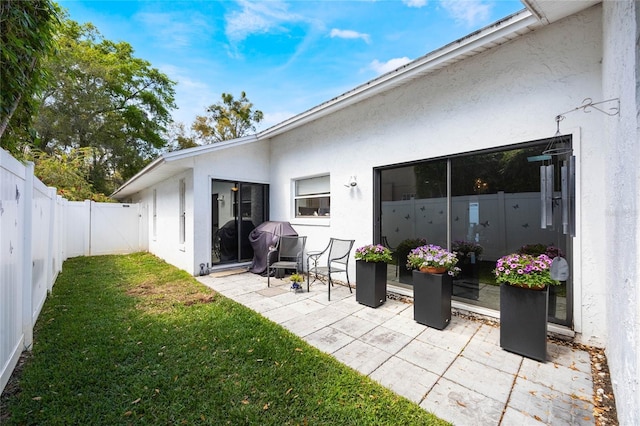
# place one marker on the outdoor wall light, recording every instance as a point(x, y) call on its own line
point(353, 182)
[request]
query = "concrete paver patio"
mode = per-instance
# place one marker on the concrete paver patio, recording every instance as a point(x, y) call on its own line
point(460, 373)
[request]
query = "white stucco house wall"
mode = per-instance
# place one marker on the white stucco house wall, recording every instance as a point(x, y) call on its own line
point(497, 88)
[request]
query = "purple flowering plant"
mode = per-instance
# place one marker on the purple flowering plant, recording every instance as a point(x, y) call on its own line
point(373, 253)
point(524, 270)
point(435, 256)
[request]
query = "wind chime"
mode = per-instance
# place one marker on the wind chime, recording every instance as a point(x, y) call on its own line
point(559, 152)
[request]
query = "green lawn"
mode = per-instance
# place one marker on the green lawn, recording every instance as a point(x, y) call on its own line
point(131, 339)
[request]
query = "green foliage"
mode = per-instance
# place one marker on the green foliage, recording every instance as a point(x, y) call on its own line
point(104, 98)
point(296, 278)
point(68, 172)
point(26, 37)
point(229, 119)
point(132, 340)
point(177, 137)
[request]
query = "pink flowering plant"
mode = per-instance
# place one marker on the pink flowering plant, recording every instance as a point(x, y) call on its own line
point(434, 256)
point(524, 270)
point(373, 253)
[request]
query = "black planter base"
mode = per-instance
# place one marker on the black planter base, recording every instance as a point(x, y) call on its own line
point(432, 299)
point(523, 321)
point(371, 283)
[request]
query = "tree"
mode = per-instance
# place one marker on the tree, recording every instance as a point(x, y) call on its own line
point(177, 138)
point(26, 37)
point(68, 172)
point(229, 119)
point(104, 98)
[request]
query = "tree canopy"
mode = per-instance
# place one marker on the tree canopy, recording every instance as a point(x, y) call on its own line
point(28, 28)
point(85, 110)
point(104, 98)
point(229, 119)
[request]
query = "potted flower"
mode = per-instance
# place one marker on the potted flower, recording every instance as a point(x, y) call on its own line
point(434, 268)
point(433, 259)
point(553, 252)
point(371, 274)
point(524, 303)
point(524, 270)
point(296, 280)
point(401, 253)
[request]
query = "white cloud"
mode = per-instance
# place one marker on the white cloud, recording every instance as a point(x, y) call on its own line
point(172, 30)
point(192, 96)
point(415, 3)
point(258, 18)
point(468, 12)
point(390, 65)
point(349, 34)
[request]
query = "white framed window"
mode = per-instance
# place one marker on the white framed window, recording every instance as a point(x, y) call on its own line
point(182, 213)
point(312, 197)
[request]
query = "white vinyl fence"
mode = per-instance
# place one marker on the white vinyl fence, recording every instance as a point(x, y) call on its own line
point(38, 231)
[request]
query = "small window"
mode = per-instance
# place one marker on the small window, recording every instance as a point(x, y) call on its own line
point(313, 197)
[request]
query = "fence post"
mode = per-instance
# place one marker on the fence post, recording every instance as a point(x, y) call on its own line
point(51, 256)
point(27, 259)
point(87, 234)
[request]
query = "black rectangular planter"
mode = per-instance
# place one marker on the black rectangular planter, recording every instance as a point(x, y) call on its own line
point(371, 283)
point(432, 299)
point(523, 321)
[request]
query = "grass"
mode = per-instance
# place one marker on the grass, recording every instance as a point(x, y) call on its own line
point(131, 339)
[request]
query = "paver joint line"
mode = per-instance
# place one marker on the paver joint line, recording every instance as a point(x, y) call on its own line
point(341, 328)
point(513, 384)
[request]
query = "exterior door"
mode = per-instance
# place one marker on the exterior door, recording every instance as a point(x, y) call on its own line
point(236, 209)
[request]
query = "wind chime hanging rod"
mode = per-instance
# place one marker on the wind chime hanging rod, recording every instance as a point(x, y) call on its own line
point(588, 105)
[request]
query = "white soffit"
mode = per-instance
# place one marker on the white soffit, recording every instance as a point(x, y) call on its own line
point(172, 163)
point(549, 11)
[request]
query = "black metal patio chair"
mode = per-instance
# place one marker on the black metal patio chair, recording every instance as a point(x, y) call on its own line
point(337, 255)
point(288, 254)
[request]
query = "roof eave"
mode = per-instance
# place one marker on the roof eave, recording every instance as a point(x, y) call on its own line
point(515, 24)
point(127, 189)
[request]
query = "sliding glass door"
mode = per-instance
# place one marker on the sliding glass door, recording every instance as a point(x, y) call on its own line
point(481, 205)
point(236, 209)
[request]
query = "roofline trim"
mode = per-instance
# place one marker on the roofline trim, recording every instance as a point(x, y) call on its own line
point(182, 154)
point(454, 50)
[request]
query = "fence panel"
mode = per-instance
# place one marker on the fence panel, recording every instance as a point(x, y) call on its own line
point(38, 231)
point(115, 228)
point(12, 189)
point(76, 228)
point(41, 244)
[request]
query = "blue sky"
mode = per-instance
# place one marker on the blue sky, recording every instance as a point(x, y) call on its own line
point(288, 56)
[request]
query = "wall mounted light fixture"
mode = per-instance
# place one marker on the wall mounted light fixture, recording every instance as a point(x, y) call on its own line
point(353, 182)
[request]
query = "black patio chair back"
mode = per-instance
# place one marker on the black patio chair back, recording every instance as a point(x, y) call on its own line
point(288, 254)
point(338, 253)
